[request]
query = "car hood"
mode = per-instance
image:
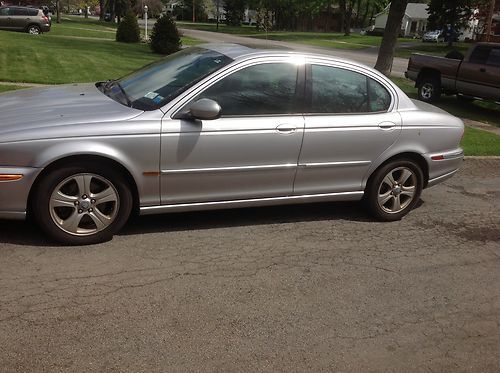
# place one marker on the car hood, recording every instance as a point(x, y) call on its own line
point(46, 112)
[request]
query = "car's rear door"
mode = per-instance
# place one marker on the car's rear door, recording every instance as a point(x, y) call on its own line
point(19, 18)
point(251, 151)
point(349, 122)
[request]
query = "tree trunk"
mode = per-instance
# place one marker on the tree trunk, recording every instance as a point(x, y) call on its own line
point(101, 10)
point(58, 11)
point(342, 6)
point(392, 29)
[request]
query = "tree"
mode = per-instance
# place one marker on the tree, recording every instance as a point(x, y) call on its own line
point(392, 29)
point(235, 10)
point(456, 13)
point(128, 29)
point(165, 38)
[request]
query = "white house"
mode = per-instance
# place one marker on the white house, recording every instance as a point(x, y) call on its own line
point(414, 20)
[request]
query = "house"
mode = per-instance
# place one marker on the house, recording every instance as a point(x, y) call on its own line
point(414, 20)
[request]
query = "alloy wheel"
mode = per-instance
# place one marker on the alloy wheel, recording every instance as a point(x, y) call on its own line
point(397, 190)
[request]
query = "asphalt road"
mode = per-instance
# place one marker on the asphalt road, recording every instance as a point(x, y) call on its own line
point(286, 289)
point(366, 56)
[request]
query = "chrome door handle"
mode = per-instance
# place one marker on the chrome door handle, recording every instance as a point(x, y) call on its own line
point(286, 128)
point(387, 125)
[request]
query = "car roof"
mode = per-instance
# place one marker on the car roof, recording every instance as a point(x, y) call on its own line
point(238, 52)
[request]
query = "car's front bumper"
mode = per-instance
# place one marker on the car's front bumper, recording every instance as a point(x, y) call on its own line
point(14, 194)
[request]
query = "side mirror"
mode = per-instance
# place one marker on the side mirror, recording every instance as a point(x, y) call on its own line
point(204, 109)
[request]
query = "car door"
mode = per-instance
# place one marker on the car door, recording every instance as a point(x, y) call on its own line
point(349, 123)
point(480, 76)
point(19, 18)
point(251, 151)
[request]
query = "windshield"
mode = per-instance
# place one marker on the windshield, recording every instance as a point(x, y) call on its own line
point(156, 84)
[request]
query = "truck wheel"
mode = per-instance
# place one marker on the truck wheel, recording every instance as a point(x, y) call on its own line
point(429, 89)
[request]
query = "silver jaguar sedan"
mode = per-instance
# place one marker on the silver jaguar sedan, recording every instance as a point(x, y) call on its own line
point(218, 126)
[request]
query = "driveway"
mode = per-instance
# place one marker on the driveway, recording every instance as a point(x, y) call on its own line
point(366, 56)
point(287, 289)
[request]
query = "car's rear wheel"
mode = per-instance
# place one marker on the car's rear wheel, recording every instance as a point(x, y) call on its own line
point(34, 30)
point(394, 189)
point(429, 89)
point(82, 204)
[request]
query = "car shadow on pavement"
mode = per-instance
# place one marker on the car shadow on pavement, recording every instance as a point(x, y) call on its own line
point(351, 211)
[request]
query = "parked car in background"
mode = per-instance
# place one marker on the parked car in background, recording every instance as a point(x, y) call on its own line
point(21, 18)
point(477, 75)
point(218, 126)
point(435, 36)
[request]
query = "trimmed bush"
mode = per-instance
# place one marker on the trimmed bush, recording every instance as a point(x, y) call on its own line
point(128, 29)
point(165, 38)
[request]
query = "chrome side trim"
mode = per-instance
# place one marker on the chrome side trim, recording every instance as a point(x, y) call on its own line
point(309, 198)
point(335, 164)
point(441, 178)
point(13, 215)
point(226, 169)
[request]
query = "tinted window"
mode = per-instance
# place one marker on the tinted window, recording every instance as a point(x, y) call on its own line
point(4, 11)
point(18, 12)
point(494, 57)
point(379, 97)
point(256, 90)
point(335, 90)
point(33, 12)
point(480, 55)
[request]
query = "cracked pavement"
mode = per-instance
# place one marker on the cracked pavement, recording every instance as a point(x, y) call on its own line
point(283, 289)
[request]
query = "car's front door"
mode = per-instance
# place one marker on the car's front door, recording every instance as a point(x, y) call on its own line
point(480, 76)
point(250, 152)
point(19, 18)
point(348, 125)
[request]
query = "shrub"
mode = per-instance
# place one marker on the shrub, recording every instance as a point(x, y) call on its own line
point(128, 29)
point(165, 38)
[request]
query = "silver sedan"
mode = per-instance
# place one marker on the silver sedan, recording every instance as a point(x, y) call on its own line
point(218, 126)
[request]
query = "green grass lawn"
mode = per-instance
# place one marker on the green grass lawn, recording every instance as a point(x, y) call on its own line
point(73, 51)
point(434, 49)
point(478, 142)
point(5, 87)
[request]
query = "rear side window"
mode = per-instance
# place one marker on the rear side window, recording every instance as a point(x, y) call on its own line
point(340, 91)
point(480, 54)
point(18, 12)
point(494, 57)
point(33, 12)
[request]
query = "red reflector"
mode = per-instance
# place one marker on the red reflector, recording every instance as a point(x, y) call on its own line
point(437, 158)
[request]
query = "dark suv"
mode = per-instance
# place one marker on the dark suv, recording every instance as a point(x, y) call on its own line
point(21, 18)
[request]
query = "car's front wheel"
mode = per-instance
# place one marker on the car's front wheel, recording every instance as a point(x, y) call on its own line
point(394, 189)
point(82, 204)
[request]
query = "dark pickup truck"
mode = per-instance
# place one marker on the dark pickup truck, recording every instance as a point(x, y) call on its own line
point(475, 76)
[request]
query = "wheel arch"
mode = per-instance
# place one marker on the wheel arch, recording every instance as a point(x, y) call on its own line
point(84, 158)
point(427, 72)
point(413, 156)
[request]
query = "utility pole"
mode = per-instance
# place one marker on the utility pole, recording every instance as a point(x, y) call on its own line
point(490, 20)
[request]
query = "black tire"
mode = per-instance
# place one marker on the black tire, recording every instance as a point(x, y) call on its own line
point(98, 216)
point(33, 30)
point(378, 187)
point(429, 89)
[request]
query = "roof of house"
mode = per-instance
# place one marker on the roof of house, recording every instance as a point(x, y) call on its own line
point(417, 11)
point(413, 11)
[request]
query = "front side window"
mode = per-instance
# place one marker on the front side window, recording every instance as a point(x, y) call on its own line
point(340, 91)
point(480, 54)
point(494, 57)
point(265, 89)
point(4, 11)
